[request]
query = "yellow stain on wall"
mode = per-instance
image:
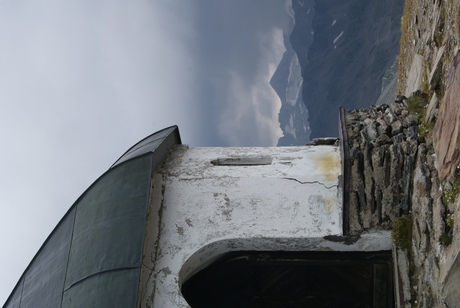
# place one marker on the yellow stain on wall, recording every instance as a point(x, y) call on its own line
point(328, 165)
point(329, 205)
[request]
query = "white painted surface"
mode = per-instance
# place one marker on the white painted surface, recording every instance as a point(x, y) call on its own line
point(200, 211)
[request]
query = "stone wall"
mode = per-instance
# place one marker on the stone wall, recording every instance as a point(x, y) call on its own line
point(428, 225)
point(394, 172)
point(428, 61)
point(382, 143)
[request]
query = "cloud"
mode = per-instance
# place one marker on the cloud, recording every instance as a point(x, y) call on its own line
point(236, 57)
point(82, 81)
point(250, 115)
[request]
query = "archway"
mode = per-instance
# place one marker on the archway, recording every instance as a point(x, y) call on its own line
point(293, 279)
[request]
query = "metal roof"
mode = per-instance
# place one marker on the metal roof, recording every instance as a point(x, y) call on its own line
point(94, 254)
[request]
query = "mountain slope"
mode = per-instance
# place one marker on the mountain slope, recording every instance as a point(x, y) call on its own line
point(354, 43)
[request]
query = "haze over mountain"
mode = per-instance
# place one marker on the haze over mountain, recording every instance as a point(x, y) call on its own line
point(287, 82)
point(346, 51)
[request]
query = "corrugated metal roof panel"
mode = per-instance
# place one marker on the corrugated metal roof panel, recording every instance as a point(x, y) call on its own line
point(93, 256)
point(109, 289)
point(167, 136)
point(14, 301)
point(44, 280)
point(110, 222)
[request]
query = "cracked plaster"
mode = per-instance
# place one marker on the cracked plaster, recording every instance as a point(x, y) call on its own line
point(202, 211)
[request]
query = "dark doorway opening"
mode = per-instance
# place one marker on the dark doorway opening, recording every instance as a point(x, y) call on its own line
point(294, 279)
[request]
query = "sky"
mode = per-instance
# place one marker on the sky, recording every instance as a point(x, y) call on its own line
point(82, 81)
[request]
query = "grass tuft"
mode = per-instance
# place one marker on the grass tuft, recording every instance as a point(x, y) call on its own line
point(402, 232)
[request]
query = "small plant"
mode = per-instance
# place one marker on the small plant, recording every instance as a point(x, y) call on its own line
point(425, 86)
point(445, 239)
point(425, 128)
point(450, 195)
point(450, 220)
point(417, 106)
point(402, 232)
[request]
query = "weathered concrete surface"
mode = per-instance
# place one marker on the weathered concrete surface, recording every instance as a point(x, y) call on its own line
point(202, 210)
point(446, 133)
point(205, 209)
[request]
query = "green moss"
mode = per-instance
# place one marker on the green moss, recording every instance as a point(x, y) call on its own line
point(416, 105)
point(402, 232)
point(445, 239)
point(438, 38)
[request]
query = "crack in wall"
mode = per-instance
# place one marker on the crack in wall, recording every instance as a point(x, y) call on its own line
point(312, 182)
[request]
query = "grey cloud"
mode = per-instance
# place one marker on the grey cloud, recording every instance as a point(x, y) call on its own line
point(81, 81)
point(231, 40)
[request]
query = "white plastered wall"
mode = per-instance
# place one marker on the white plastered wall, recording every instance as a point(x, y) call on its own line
point(200, 210)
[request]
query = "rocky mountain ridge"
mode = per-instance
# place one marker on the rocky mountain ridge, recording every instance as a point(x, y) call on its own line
point(346, 53)
point(287, 82)
point(426, 232)
point(354, 44)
